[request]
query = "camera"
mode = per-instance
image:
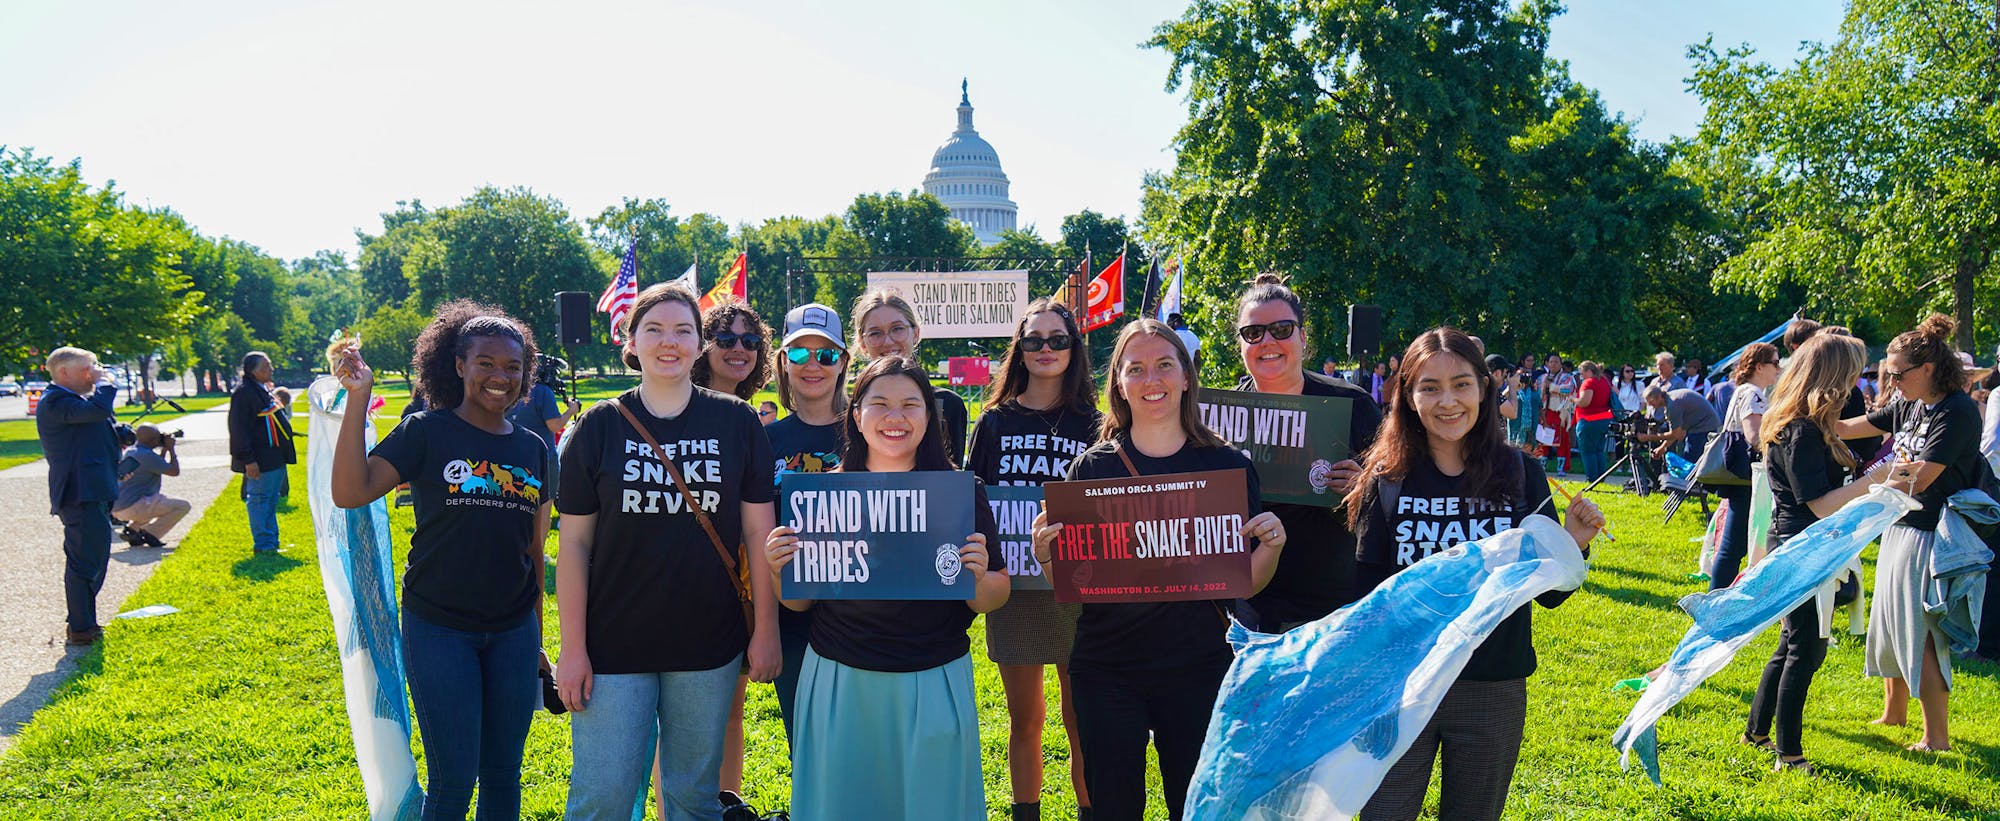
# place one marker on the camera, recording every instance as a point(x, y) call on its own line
point(129, 436)
point(1634, 426)
point(549, 371)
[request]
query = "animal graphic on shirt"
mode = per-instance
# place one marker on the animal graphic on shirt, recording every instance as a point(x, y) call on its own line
point(810, 463)
point(483, 478)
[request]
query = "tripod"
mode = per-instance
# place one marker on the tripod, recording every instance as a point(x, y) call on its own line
point(1642, 470)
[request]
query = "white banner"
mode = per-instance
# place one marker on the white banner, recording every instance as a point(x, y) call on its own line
point(960, 304)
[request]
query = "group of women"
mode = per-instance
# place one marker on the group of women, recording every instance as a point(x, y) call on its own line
point(667, 579)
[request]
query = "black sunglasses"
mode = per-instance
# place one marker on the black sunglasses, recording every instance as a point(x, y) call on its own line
point(750, 342)
point(1059, 342)
point(827, 356)
point(1281, 329)
point(1897, 376)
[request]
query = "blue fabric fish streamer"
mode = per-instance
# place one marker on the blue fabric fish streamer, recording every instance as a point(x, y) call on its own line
point(354, 563)
point(1308, 722)
point(1727, 619)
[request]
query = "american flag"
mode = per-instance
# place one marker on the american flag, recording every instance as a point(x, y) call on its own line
point(623, 291)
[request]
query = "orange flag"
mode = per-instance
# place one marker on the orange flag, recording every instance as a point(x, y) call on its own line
point(735, 284)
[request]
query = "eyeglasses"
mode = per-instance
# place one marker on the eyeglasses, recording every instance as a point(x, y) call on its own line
point(1059, 342)
point(750, 342)
point(1281, 329)
point(826, 356)
point(898, 332)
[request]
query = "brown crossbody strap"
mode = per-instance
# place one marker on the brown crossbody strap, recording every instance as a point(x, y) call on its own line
point(1129, 467)
point(728, 561)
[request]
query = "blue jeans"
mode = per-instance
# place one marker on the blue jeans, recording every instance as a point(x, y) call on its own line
point(1591, 441)
point(260, 496)
point(475, 694)
point(793, 629)
point(609, 742)
point(1735, 543)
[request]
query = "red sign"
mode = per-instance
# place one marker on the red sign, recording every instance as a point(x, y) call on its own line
point(969, 370)
point(1173, 537)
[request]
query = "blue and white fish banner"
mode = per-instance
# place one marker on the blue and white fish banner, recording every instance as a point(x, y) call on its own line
point(355, 564)
point(1308, 722)
point(1727, 619)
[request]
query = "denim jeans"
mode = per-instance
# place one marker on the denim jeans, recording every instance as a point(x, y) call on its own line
point(1591, 440)
point(475, 694)
point(792, 635)
point(86, 557)
point(610, 736)
point(1735, 543)
point(260, 496)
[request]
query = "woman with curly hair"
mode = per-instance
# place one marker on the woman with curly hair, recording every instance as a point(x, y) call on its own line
point(472, 595)
point(737, 358)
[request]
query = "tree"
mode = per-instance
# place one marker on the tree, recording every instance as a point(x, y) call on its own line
point(1871, 168)
point(82, 268)
point(774, 244)
point(389, 336)
point(512, 249)
point(1424, 156)
point(384, 278)
point(915, 226)
point(328, 293)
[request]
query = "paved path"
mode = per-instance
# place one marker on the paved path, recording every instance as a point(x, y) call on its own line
point(33, 659)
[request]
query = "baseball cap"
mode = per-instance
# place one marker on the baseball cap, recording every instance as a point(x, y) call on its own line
point(813, 319)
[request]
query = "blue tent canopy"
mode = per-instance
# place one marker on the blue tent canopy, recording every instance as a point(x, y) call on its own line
point(1722, 365)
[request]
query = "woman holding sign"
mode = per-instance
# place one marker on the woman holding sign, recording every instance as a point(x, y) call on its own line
point(1439, 475)
point(887, 718)
point(660, 485)
point(1316, 575)
point(1039, 416)
point(1153, 667)
point(886, 325)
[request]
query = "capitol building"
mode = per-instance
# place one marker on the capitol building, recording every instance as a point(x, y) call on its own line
point(965, 175)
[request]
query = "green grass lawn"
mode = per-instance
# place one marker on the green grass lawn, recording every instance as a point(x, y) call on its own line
point(20, 444)
point(233, 708)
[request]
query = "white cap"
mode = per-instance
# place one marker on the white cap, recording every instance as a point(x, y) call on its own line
point(813, 319)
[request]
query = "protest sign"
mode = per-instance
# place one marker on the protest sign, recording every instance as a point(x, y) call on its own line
point(885, 536)
point(1293, 439)
point(1172, 537)
point(959, 304)
point(1014, 509)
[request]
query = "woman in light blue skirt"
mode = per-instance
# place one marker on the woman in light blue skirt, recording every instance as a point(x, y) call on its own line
point(885, 722)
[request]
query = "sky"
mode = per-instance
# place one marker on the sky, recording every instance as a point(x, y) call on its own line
point(290, 125)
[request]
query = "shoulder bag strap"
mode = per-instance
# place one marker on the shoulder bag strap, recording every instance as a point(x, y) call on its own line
point(1129, 467)
point(728, 561)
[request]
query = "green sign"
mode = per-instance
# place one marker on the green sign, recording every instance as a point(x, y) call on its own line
point(1293, 439)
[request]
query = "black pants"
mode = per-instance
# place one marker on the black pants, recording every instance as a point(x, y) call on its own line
point(1735, 537)
point(1114, 711)
point(1989, 619)
point(86, 554)
point(1780, 705)
point(1476, 738)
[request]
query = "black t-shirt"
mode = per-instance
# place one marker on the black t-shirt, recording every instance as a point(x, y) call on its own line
point(1802, 468)
point(901, 636)
point(660, 599)
point(1433, 514)
point(1156, 636)
point(1013, 445)
point(477, 493)
point(1857, 405)
point(1946, 433)
point(799, 447)
point(1315, 574)
point(952, 418)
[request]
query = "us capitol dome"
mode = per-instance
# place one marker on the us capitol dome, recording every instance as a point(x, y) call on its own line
point(965, 175)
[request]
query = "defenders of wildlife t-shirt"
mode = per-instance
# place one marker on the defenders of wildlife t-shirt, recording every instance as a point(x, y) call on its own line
point(477, 493)
point(660, 599)
point(1432, 513)
point(1946, 433)
point(1012, 445)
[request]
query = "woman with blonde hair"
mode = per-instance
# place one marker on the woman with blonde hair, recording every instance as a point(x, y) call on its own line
point(886, 325)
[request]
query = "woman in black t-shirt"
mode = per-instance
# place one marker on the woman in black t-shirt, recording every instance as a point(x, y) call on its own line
point(886, 325)
point(888, 723)
point(1153, 667)
point(1040, 415)
point(1809, 469)
point(1441, 474)
point(653, 627)
point(734, 359)
point(1937, 451)
point(471, 597)
point(1316, 575)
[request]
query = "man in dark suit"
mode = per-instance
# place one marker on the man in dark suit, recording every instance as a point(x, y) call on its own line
point(259, 448)
point(82, 450)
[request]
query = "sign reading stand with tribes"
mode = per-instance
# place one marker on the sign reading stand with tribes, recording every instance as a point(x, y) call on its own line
point(960, 304)
point(1294, 440)
point(881, 536)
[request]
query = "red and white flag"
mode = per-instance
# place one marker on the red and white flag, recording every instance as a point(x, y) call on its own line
point(622, 293)
point(1105, 301)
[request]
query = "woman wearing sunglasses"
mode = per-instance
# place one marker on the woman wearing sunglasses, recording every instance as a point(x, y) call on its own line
point(1937, 451)
point(1316, 575)
point(886, 325)
point(1040, 415)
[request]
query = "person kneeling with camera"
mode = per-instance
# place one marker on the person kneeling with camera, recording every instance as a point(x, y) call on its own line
point(148, 514)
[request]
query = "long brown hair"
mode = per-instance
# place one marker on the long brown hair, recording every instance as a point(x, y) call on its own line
point(717, 320)
point(1078, 394)
point(1119, 420)
point(1491, 467)
point(930, 449)
point(1816, 387)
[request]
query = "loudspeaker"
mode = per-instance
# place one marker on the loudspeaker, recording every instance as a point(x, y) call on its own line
point(573, 317)
point(1364, 331)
